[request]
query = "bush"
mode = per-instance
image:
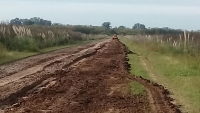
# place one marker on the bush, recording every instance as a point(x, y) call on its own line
point(27, 43)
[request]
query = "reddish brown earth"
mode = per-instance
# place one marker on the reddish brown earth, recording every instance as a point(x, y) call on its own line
point(94, 80)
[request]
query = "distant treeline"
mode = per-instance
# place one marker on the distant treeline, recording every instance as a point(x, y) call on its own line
point(31, 21)
point(105, 28)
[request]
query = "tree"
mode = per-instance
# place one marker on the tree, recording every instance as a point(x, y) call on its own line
point(31, 21)
point(57, 24)
point(27, 22)
point(121, 27)
point(106, 25)
point(40, 21)
point(16, 21)
point(36, 20)
point(139, 26)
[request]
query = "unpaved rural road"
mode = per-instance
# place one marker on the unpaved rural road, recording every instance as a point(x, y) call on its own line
point(91, 78)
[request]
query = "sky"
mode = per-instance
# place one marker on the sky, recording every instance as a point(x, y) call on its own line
point(176, 14)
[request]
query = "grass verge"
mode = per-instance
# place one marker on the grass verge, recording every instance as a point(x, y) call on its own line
point(11, 56)
point(171, 71)
point(136, 69)
point(134, 60)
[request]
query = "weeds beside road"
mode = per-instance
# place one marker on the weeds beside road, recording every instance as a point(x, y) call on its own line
point(21, 41)
point(10, 56)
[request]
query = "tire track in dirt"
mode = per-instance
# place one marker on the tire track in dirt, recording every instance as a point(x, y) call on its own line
point(20, 65)
point(17, 85)
point(30, 71)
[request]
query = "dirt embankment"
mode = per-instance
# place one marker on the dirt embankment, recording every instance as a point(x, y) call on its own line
point(94, 80)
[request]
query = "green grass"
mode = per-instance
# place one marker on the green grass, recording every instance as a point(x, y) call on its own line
point(136, 66)
point(11, 56)
point(182, 80)
point(3, 51)
point(179, 73)
point(136, 88)
point(136, 69)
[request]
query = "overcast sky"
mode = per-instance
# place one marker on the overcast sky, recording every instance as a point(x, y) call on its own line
point(183, 14)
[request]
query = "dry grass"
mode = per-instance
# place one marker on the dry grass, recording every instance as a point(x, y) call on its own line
point(34, 38)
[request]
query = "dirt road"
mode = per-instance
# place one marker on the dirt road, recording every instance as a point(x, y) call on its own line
point(87, 79)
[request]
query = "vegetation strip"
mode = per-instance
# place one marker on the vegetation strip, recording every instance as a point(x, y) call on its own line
point(155, 91)
point(11, 56)
point(172, 69)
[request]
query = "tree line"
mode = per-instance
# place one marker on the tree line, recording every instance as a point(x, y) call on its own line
point(105, 28)
point(138, 28)
point(31, 21)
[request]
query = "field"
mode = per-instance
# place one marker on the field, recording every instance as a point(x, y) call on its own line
point(169, 66)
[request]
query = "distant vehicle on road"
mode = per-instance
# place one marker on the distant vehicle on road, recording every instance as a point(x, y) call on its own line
point(115, 36)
